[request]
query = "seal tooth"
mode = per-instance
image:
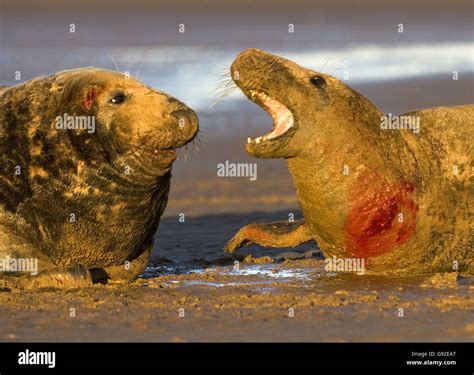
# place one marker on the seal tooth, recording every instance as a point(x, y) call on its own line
point(249, 140)
point(258, 140)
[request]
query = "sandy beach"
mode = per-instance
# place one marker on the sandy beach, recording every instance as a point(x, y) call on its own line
point(290, 301)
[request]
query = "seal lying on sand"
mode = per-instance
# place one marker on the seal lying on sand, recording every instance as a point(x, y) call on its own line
point(86, 167)
point(398, 198)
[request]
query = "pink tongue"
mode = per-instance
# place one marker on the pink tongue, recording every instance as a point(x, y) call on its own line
point(281, 114)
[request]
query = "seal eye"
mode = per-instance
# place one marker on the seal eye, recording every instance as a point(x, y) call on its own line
point(117, 99)
point(319, 82)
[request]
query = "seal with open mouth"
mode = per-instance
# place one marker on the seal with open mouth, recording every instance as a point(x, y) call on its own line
point(398, 197)
point(86, 166)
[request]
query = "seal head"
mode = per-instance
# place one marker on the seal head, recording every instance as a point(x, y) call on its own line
point(301, 102)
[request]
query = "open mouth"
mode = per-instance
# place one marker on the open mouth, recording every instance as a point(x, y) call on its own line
point(283, 119)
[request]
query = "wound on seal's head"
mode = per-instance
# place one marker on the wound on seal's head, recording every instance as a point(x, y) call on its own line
point(89, 98)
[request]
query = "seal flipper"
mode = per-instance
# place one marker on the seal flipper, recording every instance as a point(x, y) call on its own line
point(276, 234)
point(124, 272)
point(67, 277)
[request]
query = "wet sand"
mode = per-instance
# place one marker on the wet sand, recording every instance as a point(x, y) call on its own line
point(219, 304)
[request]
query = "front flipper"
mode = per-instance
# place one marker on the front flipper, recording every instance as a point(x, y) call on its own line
point(60, 277)
point(78, 276)
point(277, 234)
point(127, 271)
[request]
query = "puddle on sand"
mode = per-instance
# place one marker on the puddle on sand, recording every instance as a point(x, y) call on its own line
point(273, 271)
point(267, 277)
point(244, 275)
point(165, 270)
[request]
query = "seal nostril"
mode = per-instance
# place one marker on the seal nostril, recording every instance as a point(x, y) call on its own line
point(188, 122)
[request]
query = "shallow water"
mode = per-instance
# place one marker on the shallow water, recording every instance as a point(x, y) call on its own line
point(252, 275)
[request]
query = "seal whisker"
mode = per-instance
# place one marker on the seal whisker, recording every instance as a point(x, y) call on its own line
point(226, 91)
point(224, 84)
point(224, 71)
point(186, 153)
point(200, 139)
point(116, 66)
point(223, 90)
point(339, 63)
point(195, 148)
point(321, 68)
point(138, 70)
point(224, 87)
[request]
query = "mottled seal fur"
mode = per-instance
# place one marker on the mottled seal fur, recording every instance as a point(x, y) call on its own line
point(85, 202)
point(400, 198)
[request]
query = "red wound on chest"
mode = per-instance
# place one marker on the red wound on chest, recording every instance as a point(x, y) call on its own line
point(89, 98)
point(383, 216)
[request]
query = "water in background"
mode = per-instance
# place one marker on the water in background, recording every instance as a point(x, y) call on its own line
point(360, 43)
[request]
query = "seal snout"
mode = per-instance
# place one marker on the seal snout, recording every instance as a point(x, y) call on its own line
point(252, 57)
point(250, 64)
point(187, 124)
